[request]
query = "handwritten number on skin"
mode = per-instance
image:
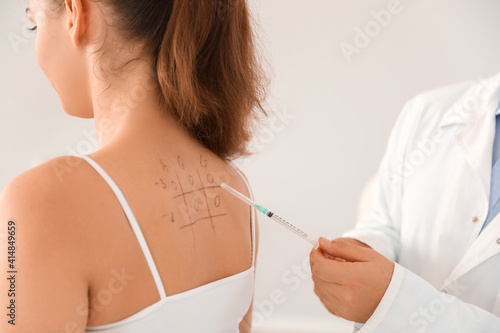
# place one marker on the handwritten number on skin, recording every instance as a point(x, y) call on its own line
point(210, 178)
point(163, 166)
point(163, 185)
point(181, 164)
point(203, 162)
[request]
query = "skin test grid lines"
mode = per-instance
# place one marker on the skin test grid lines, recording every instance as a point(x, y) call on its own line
point(195, 200)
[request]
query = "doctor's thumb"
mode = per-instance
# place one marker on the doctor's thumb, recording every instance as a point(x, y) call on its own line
point(347, 251)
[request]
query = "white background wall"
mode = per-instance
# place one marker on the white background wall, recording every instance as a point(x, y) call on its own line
point(311, 168)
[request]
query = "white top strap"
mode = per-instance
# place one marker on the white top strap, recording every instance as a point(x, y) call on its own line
point(252, 211)
point(133, 223)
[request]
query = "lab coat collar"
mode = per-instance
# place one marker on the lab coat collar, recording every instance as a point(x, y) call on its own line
point(480, 98)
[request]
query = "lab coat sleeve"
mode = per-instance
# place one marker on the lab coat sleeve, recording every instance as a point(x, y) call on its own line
point(380, 227)
point(412, 305)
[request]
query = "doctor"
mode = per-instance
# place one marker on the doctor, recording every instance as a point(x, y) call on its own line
point(426, 258)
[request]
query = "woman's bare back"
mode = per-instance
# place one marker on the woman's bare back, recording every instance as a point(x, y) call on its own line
point(196, 232)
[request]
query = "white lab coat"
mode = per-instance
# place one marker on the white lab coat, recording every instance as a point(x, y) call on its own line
point(430, 201)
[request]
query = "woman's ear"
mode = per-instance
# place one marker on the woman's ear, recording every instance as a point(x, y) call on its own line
point(77, 19)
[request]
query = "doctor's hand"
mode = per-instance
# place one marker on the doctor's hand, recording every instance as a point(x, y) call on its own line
point(345, 240)
point(350, 279)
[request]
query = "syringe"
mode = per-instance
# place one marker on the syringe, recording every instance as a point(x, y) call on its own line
point(288, 225)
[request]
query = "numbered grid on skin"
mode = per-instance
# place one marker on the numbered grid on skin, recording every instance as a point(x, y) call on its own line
point(199, 204)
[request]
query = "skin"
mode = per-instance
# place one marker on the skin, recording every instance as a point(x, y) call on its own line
point(349, 277)
point(72, 237)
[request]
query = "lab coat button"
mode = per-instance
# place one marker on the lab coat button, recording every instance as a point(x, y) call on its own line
point(475, 219)
point(498, 241)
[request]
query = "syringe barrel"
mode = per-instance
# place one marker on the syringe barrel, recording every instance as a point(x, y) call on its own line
point(288, 225)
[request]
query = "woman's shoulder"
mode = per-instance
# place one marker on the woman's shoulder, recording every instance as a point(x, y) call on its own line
point(46, 195)
point(53, 179)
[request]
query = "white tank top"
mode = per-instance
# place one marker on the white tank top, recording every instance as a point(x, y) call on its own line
point(217, 307)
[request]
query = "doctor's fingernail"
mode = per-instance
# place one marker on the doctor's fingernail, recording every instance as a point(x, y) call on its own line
point(324, 241)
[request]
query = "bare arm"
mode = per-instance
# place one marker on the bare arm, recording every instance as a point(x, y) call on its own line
point(246, 323)
point(42, 281)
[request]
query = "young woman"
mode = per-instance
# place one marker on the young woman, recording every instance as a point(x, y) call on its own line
point(138, 236)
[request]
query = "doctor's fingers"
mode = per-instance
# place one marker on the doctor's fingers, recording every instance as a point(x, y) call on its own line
point(328, 298)
point(347, 250)
point(326, 255)
point(318, 254)
point(332, 271)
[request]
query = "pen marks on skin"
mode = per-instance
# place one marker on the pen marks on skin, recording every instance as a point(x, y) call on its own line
point(181, 164)
point(195, 197)
point(164, 166)
point(210, 178)
point(162, 183)
point(203, 162)
point(172, 218)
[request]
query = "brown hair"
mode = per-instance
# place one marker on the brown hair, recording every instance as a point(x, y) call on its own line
point(205, 57)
